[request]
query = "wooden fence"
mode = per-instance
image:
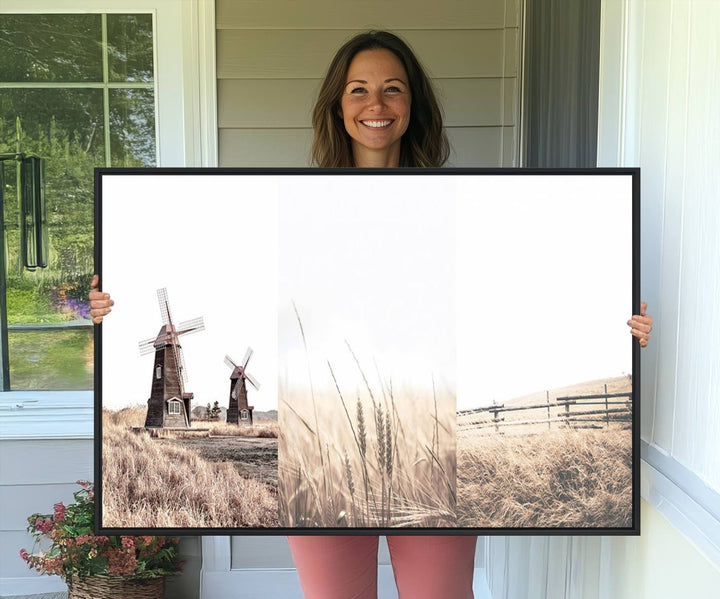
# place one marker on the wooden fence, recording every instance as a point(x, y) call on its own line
point(570, 411)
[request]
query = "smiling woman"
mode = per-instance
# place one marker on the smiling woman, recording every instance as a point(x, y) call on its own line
point(377, 107)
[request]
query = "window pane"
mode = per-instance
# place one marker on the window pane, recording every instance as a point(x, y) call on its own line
point(50, 48)
point(130, 47)
point(132, 127)
point(51, 359)
point(65, 127)
point(53, 121)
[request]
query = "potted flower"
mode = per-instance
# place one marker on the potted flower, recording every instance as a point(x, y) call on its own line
point(96, 566)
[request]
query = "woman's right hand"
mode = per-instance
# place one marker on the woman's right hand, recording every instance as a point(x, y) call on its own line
point(100, 303)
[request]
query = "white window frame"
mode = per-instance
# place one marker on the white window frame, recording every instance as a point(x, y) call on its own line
point(186, 126)
point(244, 414)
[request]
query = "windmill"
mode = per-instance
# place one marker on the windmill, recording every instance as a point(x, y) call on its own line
point(169, 404)
point(238, 409)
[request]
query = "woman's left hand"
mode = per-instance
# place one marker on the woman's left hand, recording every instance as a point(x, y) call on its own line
point(641, 325)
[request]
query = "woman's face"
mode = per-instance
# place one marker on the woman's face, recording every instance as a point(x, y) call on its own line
point(375, 106)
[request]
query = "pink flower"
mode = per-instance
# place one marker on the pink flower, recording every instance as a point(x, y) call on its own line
point(44, 526)
point(128, 542)
point(121, 561)
point(24, 555)
point(59, 509)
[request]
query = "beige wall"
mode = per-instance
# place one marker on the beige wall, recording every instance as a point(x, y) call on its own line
point(272, 56)
point(660, 564)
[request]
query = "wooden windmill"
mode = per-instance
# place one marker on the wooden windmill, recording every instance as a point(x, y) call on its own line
point(239, 410)
point(169, 404)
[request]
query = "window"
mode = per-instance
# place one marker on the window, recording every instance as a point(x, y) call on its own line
point(174, 407)
point(78, 91)
point(243, 414)
point(158, 372)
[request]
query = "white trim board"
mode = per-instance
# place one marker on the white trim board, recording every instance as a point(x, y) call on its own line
point(46, 415)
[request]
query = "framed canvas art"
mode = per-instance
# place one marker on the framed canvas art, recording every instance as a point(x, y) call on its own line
point(395, 351)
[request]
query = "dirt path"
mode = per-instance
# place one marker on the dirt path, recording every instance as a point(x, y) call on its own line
point(252, 457)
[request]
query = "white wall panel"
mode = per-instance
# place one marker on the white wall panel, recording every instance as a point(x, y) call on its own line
point(652, 116)
point(670, 126)
point(672, 231)
point(34, 475)
point(51, 461)
point(19, 501)
point(697, 425)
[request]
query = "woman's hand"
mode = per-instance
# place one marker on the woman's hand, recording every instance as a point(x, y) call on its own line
point(99, 302)
point(641, 325)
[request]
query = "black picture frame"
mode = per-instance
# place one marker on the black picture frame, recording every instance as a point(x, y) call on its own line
point(125, 236)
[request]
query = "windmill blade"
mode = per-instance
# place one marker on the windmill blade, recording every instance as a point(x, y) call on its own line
point(183, 368)
point(253, 381)
point(164, 306)
point(246, 359)
point(191, 326)
point(146, 346)
point(229, 362)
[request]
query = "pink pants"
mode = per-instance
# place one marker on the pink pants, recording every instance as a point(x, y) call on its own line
point(425, 567)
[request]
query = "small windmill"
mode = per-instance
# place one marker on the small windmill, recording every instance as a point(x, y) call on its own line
point(238, 409)
point(169, 404)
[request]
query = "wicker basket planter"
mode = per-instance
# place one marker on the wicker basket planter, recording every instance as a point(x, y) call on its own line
point(116, 587)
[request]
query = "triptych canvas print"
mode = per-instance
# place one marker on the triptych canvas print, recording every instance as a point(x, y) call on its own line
point(339, 351)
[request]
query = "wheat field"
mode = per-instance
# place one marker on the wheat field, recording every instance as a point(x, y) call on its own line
point(553, 479)
point(151, 485)
point(375, 459)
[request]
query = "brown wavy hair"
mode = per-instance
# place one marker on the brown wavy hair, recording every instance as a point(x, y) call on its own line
point(423, 144)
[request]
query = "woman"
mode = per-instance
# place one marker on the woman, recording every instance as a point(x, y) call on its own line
point(376, 108)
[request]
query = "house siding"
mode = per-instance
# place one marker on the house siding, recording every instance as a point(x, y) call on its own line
point(271, 61)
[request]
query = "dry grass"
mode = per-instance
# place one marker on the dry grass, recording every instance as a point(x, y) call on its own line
point(553, 479)
point(134, 417)
point(146, 485)
point(382, 459)
point(261, 428)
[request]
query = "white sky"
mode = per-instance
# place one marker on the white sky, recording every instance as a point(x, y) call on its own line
point(370, 260)
point(496, 286)
point(213, 244)
point(544, 283)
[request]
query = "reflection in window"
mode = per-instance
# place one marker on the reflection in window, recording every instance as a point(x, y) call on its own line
point(79, 91)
